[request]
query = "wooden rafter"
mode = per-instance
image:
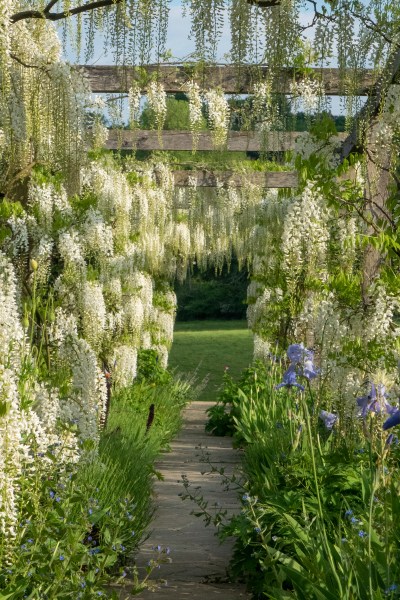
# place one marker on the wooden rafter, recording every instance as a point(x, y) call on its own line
point(265, 3)
point(233, 80)
point(206, 178)
point(238, 141)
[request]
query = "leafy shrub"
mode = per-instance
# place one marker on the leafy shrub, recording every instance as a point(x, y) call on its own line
point(320, 510)
point(81, 528)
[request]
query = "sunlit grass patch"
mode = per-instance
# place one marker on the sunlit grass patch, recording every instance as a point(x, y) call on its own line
point(210, 347)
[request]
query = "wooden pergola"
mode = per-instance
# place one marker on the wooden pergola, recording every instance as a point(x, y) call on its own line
point(235, 80)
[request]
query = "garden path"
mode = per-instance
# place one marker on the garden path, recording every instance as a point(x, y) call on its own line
point(198, 561)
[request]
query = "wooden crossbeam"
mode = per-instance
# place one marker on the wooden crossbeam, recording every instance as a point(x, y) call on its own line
point(265, 3)
point(238, 141)
point(205, 178)
point(232, 79)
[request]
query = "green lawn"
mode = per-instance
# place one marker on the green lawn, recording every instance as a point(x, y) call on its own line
point(209, 347)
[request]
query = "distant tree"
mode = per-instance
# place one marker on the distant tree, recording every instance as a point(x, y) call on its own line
point(177, 117)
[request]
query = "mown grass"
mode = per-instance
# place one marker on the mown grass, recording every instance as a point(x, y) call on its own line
point(208, 347)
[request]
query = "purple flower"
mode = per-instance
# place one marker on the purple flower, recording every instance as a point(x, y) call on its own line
point(328, 418)
point(304, 358)
point(375, 401)
point(362, 534)
point(290, 379)
point(309, 371)
point(392, 421)
point(296, 353)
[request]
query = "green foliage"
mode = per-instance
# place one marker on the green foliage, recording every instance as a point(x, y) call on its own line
point(205, 296)
point(320, 509)
point(149, 368)
point(177, 117)
point(80, 527)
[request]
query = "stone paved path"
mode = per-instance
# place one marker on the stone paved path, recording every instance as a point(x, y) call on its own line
point(199, 561)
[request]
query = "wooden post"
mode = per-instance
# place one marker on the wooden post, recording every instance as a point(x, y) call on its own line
point(378, 160)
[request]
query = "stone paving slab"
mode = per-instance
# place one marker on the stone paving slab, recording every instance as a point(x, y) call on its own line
point(198, 567)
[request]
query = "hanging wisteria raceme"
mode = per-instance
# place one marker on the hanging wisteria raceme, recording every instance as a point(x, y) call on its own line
point(134, 97)
point(218, 116)
point(157, 99)
point(306, 94)
point(192, 90)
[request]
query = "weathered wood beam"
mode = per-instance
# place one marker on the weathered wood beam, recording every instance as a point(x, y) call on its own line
point(238, 141)
point(232, 79)
point(205, 178)
point(265, 3)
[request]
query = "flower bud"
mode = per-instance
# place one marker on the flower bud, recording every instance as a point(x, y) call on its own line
point(34, 264)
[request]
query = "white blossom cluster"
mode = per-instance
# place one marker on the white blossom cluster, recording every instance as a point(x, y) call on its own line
point(218, 116)
point(45, 121)
point(157, 99)
point(305, 234)
point(380, 324)
point(309, 92)
point(264, 109)
point(124, 365)
point(326, 150)
point(195, 110)
point(28, 434)
point(134, 98)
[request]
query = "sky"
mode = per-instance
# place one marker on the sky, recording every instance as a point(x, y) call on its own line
point(181, 47)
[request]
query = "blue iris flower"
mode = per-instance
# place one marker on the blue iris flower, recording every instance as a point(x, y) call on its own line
point(328, 418)
point(375, 402)
point(392, 421)
point(301, 363)
point(290, 379)
point(296, 353)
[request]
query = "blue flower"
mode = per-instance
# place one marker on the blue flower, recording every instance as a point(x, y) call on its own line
point(362, 534)
point(392, 588)
point(290, 379)
point(257, 529)
point(61, 557)
point(375, 401)
point(328, 418)
point(296, 353)
point(353, 520)
point(309, 371)
point(392, 421)
point(52, 494)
